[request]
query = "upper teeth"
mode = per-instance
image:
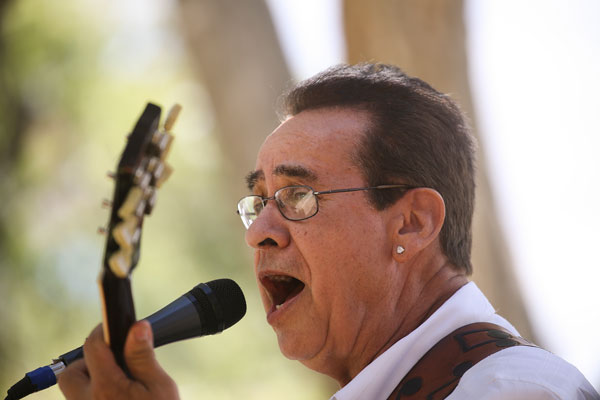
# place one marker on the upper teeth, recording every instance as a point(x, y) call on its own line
point(281, 278)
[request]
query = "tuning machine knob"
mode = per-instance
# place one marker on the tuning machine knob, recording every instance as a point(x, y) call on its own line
point(172, 117)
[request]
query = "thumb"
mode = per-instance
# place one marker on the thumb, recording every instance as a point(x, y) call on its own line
point(139, 354)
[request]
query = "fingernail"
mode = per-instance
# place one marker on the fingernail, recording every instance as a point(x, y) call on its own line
point(141, 333)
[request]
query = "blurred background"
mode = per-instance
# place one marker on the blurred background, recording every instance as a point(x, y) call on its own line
point(76, 74)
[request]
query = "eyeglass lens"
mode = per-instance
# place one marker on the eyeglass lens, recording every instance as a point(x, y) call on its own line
point(294, 202)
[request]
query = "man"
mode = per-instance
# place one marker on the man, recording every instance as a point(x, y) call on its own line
point(360, 219)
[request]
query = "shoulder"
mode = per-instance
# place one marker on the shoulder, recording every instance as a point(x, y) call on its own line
point(523, 373)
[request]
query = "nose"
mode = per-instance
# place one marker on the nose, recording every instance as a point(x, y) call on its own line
point(269, 229)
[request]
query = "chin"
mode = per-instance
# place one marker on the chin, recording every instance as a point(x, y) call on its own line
point(311, 358)
point(296, 348)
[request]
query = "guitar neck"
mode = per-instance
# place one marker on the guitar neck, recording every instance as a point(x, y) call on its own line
point(119, 312)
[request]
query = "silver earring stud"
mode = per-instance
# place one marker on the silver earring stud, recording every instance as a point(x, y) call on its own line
point(399, 249)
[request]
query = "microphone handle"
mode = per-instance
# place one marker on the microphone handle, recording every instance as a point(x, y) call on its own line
point(71, 356)
point(182, 319)
point(179, 320)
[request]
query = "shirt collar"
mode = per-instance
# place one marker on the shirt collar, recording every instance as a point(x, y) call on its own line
point(380, 378)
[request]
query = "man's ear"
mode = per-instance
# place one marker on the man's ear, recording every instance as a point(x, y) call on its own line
point(415, 222)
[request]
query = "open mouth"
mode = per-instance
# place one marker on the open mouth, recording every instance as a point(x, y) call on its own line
point(281, 288)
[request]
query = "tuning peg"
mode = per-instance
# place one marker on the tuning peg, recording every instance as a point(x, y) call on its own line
point(172, 117)
point(150, 201)
point(139, 211)
point(153, 164)
point(101, 230)
point(160, 171)
point(131, 203)
point(162, 141)
point(120, 263)
point(165, 174)
point(125, 233)
point(111, 174)
point(143, 178)
point(106, 203)
point(156, 167)
point(142, 169)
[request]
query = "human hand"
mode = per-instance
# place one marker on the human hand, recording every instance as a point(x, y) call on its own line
point(97, 376)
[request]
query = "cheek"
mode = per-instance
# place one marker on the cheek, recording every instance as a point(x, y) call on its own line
point(343, 246)
point(337, 270)
point(263, 294)
point(347, 264)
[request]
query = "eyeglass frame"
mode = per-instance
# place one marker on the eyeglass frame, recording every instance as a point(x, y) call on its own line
point(264, 200)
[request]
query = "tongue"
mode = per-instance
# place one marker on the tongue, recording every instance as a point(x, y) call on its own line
point(283, 291)
point(295, 291)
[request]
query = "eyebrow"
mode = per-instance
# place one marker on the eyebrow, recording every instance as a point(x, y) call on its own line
point(291, 171)
point(253, 177)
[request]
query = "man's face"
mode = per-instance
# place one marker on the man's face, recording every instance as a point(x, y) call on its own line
point(322, 280)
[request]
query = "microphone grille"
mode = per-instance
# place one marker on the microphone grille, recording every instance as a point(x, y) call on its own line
point(226, 302)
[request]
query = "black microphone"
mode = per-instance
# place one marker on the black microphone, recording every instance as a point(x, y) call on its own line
point(207, 309)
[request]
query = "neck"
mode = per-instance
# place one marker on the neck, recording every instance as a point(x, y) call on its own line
point(436, 291)
point(421, 294)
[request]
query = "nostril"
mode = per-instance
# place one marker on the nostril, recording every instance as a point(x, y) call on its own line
point(268, 242)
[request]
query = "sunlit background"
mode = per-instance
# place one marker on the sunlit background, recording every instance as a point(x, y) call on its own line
point(75, 77)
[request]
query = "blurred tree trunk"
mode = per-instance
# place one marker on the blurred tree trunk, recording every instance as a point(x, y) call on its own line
point(13, 121)
point(426, 38)
point(236, 54)
point(237, 57)
point(13, 118)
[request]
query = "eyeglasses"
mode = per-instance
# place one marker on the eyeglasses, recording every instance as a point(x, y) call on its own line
point(295, 203)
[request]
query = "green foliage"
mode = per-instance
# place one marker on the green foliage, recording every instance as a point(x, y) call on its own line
point(83, 71)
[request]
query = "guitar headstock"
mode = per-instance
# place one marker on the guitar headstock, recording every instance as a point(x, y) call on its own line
point(142, 169)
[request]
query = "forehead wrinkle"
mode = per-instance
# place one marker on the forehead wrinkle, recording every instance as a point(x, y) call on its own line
point(295, 171)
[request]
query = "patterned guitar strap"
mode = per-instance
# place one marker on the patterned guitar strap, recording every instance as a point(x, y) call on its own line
point(438, 372)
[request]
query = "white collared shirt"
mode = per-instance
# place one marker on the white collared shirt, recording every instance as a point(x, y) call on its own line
point(515, 373)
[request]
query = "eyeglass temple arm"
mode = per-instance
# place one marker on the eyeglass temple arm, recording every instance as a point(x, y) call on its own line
point(365, 188)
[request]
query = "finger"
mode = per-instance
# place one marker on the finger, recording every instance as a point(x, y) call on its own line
point(74, 381)
point(100, 361)
point(139, 355)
